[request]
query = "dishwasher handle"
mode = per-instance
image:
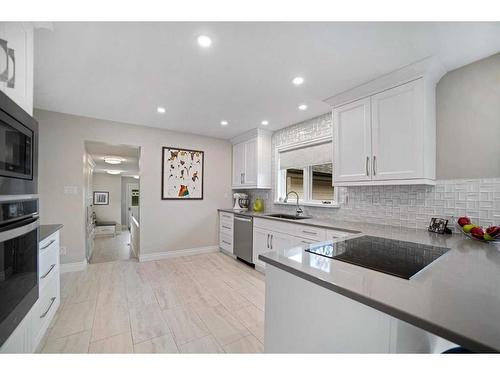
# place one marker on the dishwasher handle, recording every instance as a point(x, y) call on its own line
point(243, 219)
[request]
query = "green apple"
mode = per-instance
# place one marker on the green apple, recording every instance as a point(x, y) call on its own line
point(487, 237)
point(468, 227)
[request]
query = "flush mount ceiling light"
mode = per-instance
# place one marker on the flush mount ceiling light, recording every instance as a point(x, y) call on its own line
point(204, 41)
point(303, 107)
point(113, 172)
point(161, 110)
point(224, 123)
point(297, 81)
point(112, 160)
point(265, 122)
point(136, 177)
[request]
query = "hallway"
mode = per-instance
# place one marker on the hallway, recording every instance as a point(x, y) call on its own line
point(110, 249)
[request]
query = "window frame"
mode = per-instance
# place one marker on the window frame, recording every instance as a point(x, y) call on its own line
point(280, 177)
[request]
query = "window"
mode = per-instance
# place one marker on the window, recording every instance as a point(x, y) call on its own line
point(306, 170)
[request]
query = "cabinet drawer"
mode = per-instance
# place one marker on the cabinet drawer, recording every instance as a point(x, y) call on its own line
point(45, 308)
point(304, 231)
point(226, 228)
point(226, 242)
point(48, 259)
point(226, 216)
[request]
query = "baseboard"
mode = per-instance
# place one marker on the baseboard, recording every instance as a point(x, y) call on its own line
point(73, 267)
point(178, 253)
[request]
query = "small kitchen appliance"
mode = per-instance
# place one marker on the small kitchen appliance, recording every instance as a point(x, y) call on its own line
point(241, 202)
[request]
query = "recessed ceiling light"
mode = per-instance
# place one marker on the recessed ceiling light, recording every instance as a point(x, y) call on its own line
point(113, 172)
point(204, 41)
point(303, 107)
point(111, 160)
point(161, 109)
point(224, 123)
point(297, 81)
point(265, 122)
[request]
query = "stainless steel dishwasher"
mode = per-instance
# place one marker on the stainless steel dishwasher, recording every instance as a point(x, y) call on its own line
point(243, 238)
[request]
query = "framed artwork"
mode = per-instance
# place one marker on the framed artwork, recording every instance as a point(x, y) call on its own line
point(181, 173)
point(438, 225)
point(101, 198)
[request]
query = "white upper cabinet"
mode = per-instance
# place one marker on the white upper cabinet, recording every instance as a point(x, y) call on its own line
point(16, 63)
point(252, 160)
point(352, 148)
point(384, 132)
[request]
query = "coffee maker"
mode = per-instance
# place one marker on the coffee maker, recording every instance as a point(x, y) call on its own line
point(241, 202)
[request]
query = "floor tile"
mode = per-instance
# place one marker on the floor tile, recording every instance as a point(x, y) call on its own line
point(121, 343)
point(147, 322)
point(205, 344)
point(110, 320)
point(162, 344)
point(185, 324)
point(76, 343)
point(74, 318)
point(248, 344)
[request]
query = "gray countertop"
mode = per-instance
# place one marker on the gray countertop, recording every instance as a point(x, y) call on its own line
point(456, 297)
point(47, 230)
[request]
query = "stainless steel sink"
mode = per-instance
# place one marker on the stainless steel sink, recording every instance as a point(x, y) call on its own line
point(289, 217)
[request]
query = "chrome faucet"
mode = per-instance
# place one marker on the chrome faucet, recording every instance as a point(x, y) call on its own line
point(299, 210)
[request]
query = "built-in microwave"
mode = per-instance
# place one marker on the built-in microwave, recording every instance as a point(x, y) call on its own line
point(18, 149)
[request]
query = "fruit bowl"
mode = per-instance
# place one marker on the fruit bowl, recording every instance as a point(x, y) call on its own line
point(476, 232)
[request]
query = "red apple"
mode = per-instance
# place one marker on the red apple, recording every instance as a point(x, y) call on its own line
point(493, 231)
point(464, 220)
point(477, 232)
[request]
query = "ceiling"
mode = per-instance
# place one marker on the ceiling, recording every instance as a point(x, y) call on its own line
point(123, 71)
point(128, 154)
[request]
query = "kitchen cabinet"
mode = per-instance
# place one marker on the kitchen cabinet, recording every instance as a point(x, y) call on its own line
point(17, 60)
point(28, 335)
point(384, 132)
point(353, 146)
point(252, 160)
point(226, 225)
point(265, 240)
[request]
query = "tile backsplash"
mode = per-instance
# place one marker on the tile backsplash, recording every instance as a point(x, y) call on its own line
point(410, 206)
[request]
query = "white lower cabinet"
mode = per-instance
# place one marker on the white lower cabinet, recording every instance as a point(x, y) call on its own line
point(226, 220)
point(28, 335)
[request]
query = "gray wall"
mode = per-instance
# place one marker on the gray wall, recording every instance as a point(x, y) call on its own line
point(111, 184)
point(166, 225)
point(468, 121)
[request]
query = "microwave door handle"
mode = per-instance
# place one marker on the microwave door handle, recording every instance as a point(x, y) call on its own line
point(19, 230)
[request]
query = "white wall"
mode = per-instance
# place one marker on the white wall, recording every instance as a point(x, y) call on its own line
point(111, 184)
point(165, 225)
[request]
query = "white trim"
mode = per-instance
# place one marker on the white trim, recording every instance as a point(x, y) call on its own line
point(178, 253)
point(74, 267)
point(416, 181)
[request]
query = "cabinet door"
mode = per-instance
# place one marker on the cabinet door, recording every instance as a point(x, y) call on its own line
point(261, 239)
point(250, 173)
point(397, 132)
point(238, 163)
point(19, 39)
point(281, 241)
point(352, 142)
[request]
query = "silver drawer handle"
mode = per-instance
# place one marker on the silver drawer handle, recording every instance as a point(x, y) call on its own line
point(226, 216)
point(367, 162)
point(309, 232)
point(52, 300)
point(227, 243)
point(46, 246)
point(49, 271)
point(225, 227)
point(306, 242)
point(374, 165)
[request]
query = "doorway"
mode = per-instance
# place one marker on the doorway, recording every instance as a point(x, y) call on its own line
point(112, 191)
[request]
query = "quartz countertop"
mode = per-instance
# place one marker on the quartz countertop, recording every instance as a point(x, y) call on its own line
point(47, 230)
point(456, 297)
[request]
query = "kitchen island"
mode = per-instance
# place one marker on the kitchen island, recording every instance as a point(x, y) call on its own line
point(318, 304)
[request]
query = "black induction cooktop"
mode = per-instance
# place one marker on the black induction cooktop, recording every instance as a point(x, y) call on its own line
point(398, 258)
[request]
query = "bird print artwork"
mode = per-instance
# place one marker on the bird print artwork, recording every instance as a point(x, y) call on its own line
point(182, 174)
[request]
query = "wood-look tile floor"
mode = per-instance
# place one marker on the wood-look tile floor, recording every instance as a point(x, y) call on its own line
point(207, 303)
point(112, 248)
